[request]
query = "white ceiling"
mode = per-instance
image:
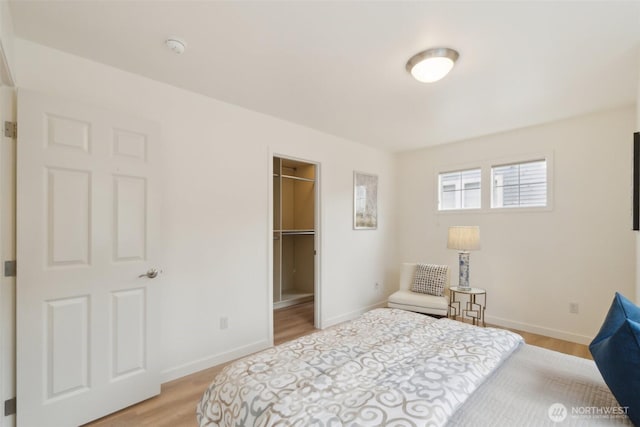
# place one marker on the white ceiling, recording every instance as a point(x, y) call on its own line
point(339, 67)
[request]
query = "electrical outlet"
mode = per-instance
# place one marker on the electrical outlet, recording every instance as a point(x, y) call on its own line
point(376, 286)
point(574, 308)
point(224, 322)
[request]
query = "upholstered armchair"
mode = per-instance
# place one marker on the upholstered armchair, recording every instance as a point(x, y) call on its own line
point(406, 299)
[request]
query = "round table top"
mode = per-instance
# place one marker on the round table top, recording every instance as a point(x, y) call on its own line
point(468, 290)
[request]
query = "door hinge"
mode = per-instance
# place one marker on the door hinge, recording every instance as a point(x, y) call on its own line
point(9, 407)
point(11, 129)
point(10, 268)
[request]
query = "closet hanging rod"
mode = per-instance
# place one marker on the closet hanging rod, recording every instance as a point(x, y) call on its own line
point(299, 233)
point(299, 178)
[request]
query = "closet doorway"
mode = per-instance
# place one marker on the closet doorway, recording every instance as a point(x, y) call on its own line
point(294, 235)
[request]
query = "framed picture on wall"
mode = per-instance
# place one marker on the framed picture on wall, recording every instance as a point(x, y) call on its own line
point(365, 201)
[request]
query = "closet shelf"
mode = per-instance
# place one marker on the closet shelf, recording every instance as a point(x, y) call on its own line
point(298, 178)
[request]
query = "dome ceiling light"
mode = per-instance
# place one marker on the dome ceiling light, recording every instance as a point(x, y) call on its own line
point(432, 64)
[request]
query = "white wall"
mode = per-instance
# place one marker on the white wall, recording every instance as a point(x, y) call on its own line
point(533, 263)
point(6, 44)
point(216, 207)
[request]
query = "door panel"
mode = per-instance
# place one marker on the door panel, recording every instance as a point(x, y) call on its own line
point(130, 215)
point(68, 195)
point(128, 333)
point(67, 347)
point(87, 230)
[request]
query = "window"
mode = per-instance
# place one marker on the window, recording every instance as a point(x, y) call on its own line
point(459, 190)
point(519, 185)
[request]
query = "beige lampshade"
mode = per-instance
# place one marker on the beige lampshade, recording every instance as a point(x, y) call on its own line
point(464, 238)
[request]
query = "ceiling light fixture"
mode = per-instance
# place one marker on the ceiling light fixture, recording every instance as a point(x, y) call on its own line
point(176, 45)
point(432, 64)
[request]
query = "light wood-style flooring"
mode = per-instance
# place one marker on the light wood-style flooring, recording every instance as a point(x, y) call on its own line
point(176, 404)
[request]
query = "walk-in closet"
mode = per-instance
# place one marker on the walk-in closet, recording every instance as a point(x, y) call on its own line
point(294, 232)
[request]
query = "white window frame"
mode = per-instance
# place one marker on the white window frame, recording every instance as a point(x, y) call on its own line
point(486, 193)
point(493, 188)
point(459, 170)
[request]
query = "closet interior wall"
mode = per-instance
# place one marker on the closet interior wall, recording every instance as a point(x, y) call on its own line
point(294, 232)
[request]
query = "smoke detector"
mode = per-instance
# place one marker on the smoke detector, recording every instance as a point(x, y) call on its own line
point(176, 45)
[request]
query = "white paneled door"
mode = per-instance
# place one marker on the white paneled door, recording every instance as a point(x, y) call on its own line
point(87, 234)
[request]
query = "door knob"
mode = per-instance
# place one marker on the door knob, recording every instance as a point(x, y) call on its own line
point(152, 273)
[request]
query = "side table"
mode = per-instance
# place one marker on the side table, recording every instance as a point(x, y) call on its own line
point(473, 309)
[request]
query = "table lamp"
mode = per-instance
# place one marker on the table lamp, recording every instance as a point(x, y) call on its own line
point(464, 239)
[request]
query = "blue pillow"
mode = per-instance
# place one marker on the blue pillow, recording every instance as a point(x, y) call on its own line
point(616, 351)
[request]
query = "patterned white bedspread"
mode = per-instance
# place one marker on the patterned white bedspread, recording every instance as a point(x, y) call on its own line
point(388, 367)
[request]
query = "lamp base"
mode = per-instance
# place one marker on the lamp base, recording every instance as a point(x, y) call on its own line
point(463, 281)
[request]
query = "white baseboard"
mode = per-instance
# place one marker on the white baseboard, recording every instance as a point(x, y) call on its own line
point(210, 361)
point(352, 315)
point(540, 330)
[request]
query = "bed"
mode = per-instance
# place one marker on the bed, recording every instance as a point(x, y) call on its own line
point(393, 367)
